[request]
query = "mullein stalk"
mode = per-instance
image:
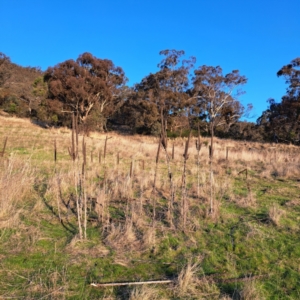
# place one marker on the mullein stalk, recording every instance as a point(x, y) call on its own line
point(198, 148)
point(164, 142)
point(154, 184)
point(184, 205)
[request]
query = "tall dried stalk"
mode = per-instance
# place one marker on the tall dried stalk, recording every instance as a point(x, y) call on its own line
point(99, 158)
point(105, 148)
point(227, 151)
point(84, 205)
point(211, 177)
point(131, 170)
point(58, 197)
point(154, 184)
point(164, 142)
point(83, 188)
point(55, 150)
point(84, 151)
point(198, 148)
point(142, 187)
point(173, 151)
point(143, 165)
point(4, 146)
point(73, 150)
point(78, 205)
point(184, 205)
point(104, 161)
point(245, 171)
point(130, 188)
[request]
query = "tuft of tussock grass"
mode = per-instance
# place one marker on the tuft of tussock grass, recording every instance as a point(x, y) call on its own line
point(250, 291)
point(275, 213)
point(187, 279)
point(149, 238)
point(144, 293)
point(189, 286)
point(121, 236)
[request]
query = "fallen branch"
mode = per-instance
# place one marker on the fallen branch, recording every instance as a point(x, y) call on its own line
point(214, 277)
point(131, 283)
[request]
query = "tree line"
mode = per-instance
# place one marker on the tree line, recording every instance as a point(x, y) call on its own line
point(178, 97)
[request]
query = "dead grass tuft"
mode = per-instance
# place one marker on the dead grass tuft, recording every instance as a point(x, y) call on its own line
point(275, 213)
point(144, 293)
point(122, 237)
point(149, 238)
point(16, 185)
point(187, 279)
point(189, 285)
point(250, 291)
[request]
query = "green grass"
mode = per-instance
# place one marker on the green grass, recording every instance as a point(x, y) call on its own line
point(42, 257)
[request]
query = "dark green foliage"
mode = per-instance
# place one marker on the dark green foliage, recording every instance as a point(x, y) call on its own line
point(280, 121)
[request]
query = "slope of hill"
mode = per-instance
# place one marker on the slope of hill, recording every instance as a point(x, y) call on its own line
point(21, 89)
point(230, 232)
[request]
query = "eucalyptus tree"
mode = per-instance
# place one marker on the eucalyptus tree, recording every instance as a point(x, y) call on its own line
point(214, 97)
point(87, 84)
point(282, 119)
point(161, 95)
point(291, 73)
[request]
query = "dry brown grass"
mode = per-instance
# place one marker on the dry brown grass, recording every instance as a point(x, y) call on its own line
point(122, 237)
point(144, 293)
point(117, 184)
point(144, 148)
point(250, 291)
point(190, 285)
point(275, 214)
point(149, 238)
point(187, 279)
point(16, 185)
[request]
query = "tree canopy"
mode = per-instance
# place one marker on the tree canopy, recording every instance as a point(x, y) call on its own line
point(85, 84)
point(180, 94)
point(160, 93)
point(291, 73)
point(215, 96)
point(281, 121)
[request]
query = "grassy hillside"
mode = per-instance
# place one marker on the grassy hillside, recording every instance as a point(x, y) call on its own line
point(230, 235)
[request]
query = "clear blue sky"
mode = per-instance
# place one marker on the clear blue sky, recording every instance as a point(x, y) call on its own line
point(256, 37)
